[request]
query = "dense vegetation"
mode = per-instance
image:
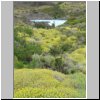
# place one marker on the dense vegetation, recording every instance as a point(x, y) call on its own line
point(44, 83)
point(50, 62)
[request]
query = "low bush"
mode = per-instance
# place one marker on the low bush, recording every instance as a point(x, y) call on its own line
point(18, 64)
point(79, 55)
point(38, 83)
point(36, 61)
point(48, 61)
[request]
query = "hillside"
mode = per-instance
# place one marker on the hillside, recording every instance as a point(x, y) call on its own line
point(25, 11)
point(50, 61)
point(44, 83)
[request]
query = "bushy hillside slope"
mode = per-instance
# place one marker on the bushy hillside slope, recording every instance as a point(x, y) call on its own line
point(50, 62)
point(45, 83)
point(62, 49)
point(25, 11)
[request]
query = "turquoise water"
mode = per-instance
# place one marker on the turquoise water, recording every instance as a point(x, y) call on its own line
point(50, 22)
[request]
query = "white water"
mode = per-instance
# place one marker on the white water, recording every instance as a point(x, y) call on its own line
point(50, 22)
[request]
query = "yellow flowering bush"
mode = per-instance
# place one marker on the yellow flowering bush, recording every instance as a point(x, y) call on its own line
point(45, 83)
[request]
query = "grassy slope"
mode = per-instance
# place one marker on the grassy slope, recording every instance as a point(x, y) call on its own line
point(38, 83)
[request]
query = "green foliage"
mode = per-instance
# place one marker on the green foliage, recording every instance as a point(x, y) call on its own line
point(59, 63)
point(69, 66)
point(52, 10)
point(45, 83)
point(24, 46)
point(69, 44)
point(75, 21)
point(56, 9)
point(59, 53)
point(79, 55)
point(18, 64)
point(46, 93)
point(23, 28)
point(24, 52)
point(55, 50)
point(36, 62)
point(47, 47)
point(48, 61)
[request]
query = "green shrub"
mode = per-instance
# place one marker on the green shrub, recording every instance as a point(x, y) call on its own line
point(48, 61)
point(59, 63)
point(69, 65)
point(36, 61)
point(56, 50)
point(23, 28)
point(79, 55)
point(18, 64)
point(79, 81)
